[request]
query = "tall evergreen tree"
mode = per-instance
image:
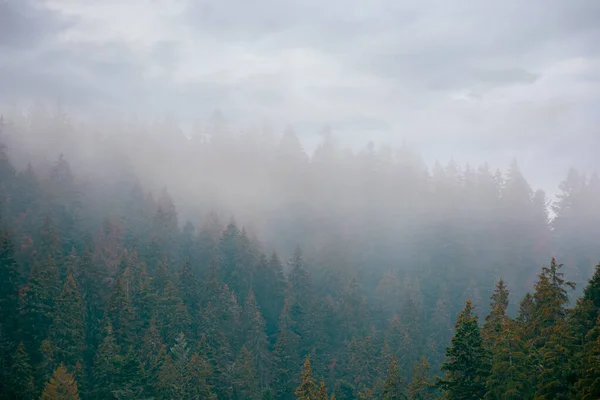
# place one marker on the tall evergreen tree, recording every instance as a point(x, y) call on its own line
point(22, 384)
point(466, 364)
point(393, 387)
point(308, 388)
point(67, 330)
point(61, 386)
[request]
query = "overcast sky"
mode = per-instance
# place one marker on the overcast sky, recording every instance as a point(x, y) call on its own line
point(469, 79)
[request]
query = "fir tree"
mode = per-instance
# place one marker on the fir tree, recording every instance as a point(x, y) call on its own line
point(466, 364)
point(67, 330)
point(22, 385)
point(255, 338)
point(308, 388)
point(9, 284)
point(61, 386)
point(421, 386)
point(107, 366)
point(393, 387)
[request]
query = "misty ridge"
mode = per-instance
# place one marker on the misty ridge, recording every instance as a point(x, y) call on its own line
point(376, 210)
point(138, 263)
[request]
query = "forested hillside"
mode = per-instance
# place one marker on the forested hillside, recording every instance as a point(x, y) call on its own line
point(234, 266)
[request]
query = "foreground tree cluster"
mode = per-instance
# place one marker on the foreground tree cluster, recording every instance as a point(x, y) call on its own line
point(105, 294)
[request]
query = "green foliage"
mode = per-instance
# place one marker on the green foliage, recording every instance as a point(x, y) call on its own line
point(61, 386)
point(308, 388)
point(466, 365)
point(68, 327)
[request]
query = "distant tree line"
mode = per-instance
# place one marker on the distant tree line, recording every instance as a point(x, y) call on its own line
point(105, 293)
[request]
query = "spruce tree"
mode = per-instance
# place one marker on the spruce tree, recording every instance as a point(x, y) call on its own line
point(61, 386)
point(255, 338)
point(393, 387)
point(121, 315)
point(308, 388)
point(421, 385)
point(467, 362)
point(9, 285)
point(22, 384)
point(107, 366)
point(67, 330)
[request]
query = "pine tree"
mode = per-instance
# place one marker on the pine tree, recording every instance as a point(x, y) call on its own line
point(121, 315)
point(200, 372)
point(269, 287)
point(172, 314)
point(246, 384)
point(495, 320)
point(67, 330)
point(285, 355)
point(48, 363)
point(466, 364)
point(322, 395)
point(421, 386)
point(393, 387)
point(308, 388)
point(549, 326)
point(189, 288)
point(9, 284)
point(22, 385)
point(174, 376)
point(511, 364)
point(151, 351)
point(107, 366)
point(38, 302)
point(255, 338)
point(584, 333)
point(61, 386)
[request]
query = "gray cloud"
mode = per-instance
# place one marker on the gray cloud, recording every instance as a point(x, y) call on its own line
point(465, 79)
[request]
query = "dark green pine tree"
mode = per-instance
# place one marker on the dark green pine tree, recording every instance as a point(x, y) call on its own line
point(301, 298)
point(286, 357)
point(584, 332)
point(172, 315)
point(421, 386)
point(269, 286)
point(393, 387)
point(152, 351)
point(189, 287)
point(22, 384)
point(38, 302)
point(467, 362)
point(50, 245)
point(174, 377)
point(67, 331)
point(200, 371)
point(132, 381)
point(510, 364)
point(9, 285)
point(255, 338)
point(495, 320)
point(228, 252)
point(6, 354)
point(354, 314)
point(549, 327)
point(588, 365)
point(121, 315)
point(47, 363)
point(245, 380)
point(362, 363)
point(107, 366)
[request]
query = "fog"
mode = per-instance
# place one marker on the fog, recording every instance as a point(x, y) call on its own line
point(331, 122)
point(160, 160)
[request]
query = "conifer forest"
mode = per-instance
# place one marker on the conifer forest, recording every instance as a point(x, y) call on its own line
point(138, 263)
